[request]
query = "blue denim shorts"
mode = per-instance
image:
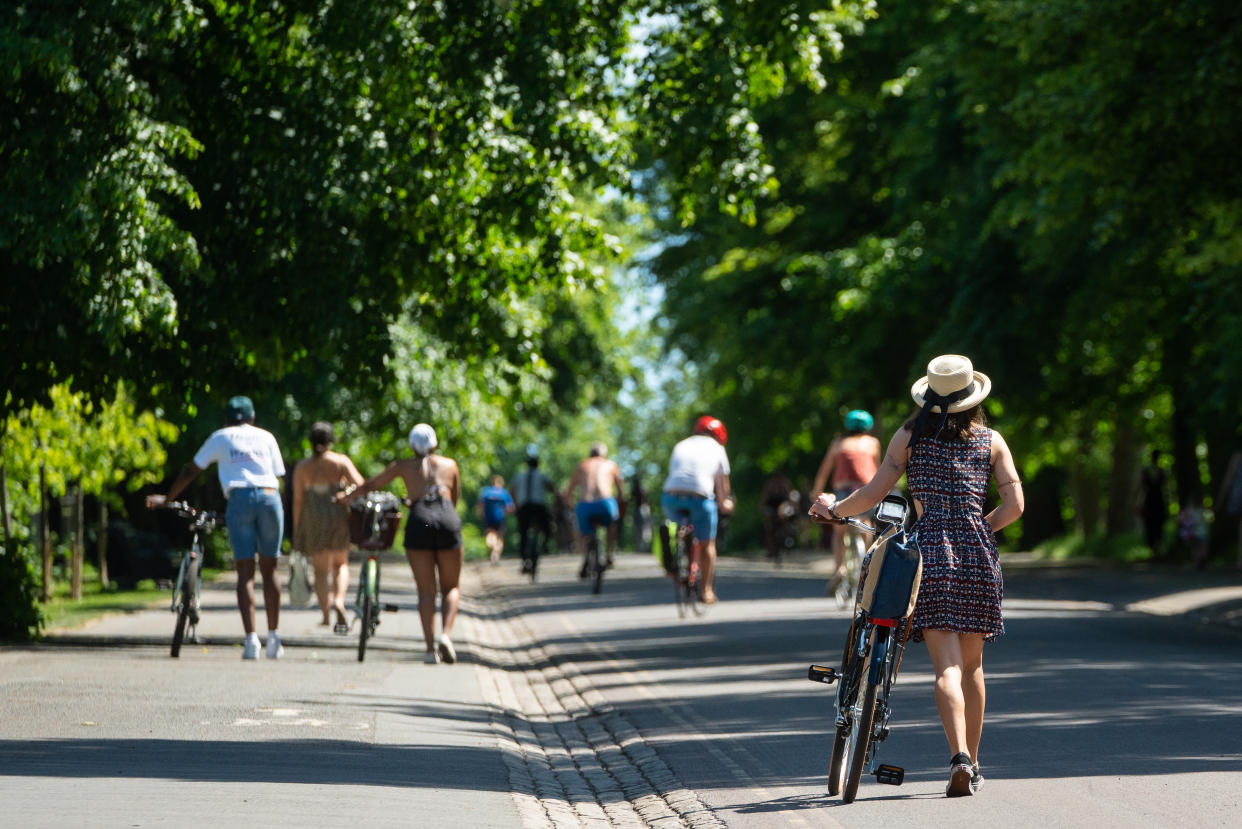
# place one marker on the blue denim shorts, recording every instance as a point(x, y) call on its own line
point(703, 513)
point(256, 522)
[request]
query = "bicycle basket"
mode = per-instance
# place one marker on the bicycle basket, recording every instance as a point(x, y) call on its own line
point(373, 521)
point(894, 570)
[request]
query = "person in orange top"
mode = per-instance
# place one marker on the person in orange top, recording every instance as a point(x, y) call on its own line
point(851, 460)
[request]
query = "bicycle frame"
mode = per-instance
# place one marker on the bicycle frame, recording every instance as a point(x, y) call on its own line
point(186, 599)
point(367, 605)
point(870, 660)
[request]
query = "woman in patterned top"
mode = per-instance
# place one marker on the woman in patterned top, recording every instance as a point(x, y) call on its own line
point(949, 457)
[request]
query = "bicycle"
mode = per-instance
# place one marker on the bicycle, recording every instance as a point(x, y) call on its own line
point(683, 566)
point(189, 585)
point(593, 567)
point(855, 553)
point(373, 527)
point(535, 522)
point(872, 654)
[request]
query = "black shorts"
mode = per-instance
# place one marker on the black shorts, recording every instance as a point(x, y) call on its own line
point(433, 525)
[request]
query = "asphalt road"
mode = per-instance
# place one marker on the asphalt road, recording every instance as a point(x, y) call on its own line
point(569, 709)
point(1097, 715)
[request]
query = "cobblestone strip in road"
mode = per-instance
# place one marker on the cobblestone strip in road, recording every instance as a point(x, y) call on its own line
point(573, 759)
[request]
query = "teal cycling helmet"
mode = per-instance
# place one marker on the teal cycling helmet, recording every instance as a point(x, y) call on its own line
point(859, 421)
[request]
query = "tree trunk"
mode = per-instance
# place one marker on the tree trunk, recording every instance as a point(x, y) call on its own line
point(1123, 479)
point(79, 544)
point(45, 535)
point(4, 504)
point(102, 544)
point(1084, 489)
point(1185, 461)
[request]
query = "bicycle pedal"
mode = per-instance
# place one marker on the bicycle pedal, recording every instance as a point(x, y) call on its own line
point(819, 673)
point(391, 608)
point(890, 775)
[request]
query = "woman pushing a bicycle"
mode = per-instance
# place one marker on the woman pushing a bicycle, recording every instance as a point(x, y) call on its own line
point(949, 456)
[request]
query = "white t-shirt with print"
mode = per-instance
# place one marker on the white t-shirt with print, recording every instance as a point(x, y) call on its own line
point(696, 462)
point(246, 455)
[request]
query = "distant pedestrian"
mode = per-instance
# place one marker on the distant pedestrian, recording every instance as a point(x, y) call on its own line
point(493, 505)
point(321, 523)
point(1193, 529)
point(949, 457)
point(1154, 503)
point(250, 469)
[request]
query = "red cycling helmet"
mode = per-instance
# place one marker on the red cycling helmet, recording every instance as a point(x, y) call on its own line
point(708, 425)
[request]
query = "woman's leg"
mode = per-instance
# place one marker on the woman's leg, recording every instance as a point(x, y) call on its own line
point(245, 592)
point(322, 562)
point(339, 567)
point(972, 690)
point(945, 649)
point(449, 564)
point(423, 564)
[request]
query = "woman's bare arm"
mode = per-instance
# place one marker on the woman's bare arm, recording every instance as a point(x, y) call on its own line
point(378, 482)
point(1007, 484)
point(297, 495)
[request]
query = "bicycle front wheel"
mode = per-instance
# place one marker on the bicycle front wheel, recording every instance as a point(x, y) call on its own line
point(187, 589)
point(368, 607)
point(859, 739)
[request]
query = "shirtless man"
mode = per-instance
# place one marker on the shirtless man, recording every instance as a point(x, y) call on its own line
point(599, 479)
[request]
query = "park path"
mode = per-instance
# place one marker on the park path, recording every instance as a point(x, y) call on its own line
point(573, 710)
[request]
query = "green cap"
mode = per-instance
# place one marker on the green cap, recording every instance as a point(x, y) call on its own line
point(239, 410)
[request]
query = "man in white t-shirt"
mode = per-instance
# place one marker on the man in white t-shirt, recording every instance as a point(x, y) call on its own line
point(698, 483)
point(250, 467)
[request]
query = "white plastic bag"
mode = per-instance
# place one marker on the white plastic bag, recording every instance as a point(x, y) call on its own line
point(301, 588)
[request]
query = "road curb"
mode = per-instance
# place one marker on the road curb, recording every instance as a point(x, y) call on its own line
point(568, 749)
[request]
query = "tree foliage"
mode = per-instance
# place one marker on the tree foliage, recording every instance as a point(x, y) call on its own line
point(1046, 187)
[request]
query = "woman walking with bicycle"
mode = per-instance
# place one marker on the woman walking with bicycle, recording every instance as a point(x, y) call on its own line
point(433, 543)
point(321, 523)
point(949, 456)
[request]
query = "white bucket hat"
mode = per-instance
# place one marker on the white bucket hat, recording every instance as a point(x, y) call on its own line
point(423, 439)
point(953, 380)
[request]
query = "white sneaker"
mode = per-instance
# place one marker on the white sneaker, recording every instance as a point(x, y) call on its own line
point(444, 646)
point(430, 658)
point(275, 650)
point(250, 648)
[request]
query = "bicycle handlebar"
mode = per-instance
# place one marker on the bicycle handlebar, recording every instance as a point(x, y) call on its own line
point(202, 518)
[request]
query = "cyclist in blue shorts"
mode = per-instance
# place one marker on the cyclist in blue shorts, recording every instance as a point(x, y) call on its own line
point(599, 480)
point(698, 482)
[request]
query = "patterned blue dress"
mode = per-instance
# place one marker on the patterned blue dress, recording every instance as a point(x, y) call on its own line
point(962, 588)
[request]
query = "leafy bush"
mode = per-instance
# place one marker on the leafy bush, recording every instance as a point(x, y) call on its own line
point(20, 616)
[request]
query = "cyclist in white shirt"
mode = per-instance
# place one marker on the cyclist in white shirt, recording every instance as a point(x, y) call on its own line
point(250, 467)
point(698, 483)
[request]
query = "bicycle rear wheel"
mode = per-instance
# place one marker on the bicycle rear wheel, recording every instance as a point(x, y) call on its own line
point(686, 575)
point(368, 607)
point(595, 569)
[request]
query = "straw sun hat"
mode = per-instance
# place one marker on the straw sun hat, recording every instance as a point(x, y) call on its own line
point(953, 380)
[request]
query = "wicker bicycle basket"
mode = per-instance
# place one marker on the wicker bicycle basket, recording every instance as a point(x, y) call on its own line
point(373, 521)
